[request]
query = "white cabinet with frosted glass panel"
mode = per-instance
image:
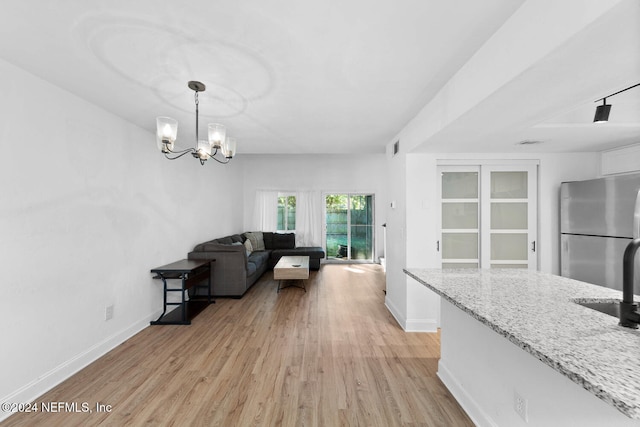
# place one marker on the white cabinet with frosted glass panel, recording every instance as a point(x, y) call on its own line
point(460, 217)
point(488, 216)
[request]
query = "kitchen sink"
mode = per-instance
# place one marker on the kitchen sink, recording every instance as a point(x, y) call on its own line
point(612, 308)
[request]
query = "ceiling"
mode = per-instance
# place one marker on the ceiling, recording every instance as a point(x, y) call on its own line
point(552, 103)
point(343, 76)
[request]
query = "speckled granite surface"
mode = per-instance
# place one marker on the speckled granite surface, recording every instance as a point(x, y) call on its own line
point(537, 312)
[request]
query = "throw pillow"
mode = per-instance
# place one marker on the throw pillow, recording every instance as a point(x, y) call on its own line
point(257, 240)
point(260, 239)
point(248, 246)
point(250, 237)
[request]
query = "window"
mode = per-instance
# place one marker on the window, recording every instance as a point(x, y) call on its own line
point(286, 213)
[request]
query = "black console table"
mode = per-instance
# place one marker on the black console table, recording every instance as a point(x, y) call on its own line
point(192, 274)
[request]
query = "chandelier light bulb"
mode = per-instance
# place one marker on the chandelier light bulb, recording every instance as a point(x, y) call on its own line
point(229, 147)
point(217, 134)
point(166, 132)
point(204, 150)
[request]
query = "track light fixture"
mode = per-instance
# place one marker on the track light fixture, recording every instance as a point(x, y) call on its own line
point(602, 111)
point(167, 130)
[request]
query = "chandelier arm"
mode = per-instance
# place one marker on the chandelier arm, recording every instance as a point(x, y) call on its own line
point(180, 153)
point(218, 160)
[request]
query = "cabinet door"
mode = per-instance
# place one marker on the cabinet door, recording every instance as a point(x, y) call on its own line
point(459, 217)
point(509, 206)
point(488, 216)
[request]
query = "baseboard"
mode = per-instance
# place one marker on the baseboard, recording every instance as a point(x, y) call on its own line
point(421, 325)
point(473, 410)
point(411, 325)
point(47, 381)
point(395, 313)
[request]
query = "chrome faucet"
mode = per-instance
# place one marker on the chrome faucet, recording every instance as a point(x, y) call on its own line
point(629, 315)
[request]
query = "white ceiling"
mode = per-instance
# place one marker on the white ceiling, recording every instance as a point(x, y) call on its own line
point(345, 76)
point(553, 101)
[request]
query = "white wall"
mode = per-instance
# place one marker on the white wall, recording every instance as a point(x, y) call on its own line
point(397, 295)
point(331, 173)
point(621, 160)
point(89, 205)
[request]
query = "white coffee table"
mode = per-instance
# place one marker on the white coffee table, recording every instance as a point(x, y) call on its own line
point(293, 268)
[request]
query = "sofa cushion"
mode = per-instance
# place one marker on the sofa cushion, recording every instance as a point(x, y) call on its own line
point(259, 257)
point(284, 241)
point(213, 246)
point(224, 240)
point(251, 268)
point(237, 238)
point(267, 237)
point(200, 247)
point(311, 252)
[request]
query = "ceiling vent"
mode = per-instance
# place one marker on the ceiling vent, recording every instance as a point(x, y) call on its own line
point(396, 147)
point(529, 142)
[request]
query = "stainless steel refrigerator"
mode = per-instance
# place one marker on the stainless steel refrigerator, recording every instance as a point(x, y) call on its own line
point(598, 219)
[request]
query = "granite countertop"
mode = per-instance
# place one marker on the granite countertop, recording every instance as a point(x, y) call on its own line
point(537, 312)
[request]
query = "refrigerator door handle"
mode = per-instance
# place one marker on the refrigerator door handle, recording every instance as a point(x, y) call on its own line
point(636, 217)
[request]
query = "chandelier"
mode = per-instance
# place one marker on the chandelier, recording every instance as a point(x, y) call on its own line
point(167, 130)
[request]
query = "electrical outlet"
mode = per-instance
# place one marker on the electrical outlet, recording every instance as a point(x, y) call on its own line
point(108, 312)
point(520, 406)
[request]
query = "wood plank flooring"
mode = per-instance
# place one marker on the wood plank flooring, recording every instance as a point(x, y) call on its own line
point(332, 356)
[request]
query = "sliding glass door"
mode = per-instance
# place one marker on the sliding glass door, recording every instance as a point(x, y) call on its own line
point(349, 227)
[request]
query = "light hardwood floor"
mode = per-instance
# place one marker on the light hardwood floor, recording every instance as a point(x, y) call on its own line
point(332, 356)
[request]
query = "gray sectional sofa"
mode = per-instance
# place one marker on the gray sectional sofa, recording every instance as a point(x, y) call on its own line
point(235, 270)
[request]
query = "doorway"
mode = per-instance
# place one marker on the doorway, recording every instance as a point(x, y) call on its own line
point(349, 227)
